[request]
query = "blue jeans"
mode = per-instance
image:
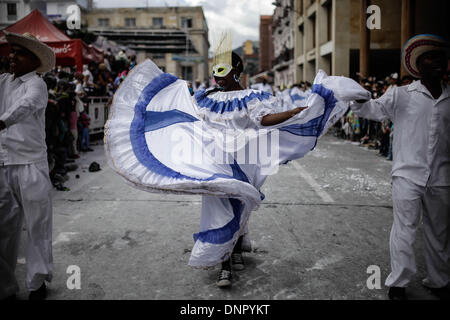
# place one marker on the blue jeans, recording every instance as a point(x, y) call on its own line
point(84, 139)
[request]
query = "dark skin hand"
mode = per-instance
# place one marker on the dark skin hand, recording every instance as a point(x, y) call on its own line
point(229, 84)
point(21, 62)
point(276, 118)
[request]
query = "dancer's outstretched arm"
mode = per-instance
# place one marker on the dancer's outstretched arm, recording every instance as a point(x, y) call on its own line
point(277, 118)
point(377, 109)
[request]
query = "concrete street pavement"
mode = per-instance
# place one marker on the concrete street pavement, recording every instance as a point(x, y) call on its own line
point(326, 219)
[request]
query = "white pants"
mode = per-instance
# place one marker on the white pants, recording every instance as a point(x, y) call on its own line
point(25, 191)
point(217, 213)
point(410, 200)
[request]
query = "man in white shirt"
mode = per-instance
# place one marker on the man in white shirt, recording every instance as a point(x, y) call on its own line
point(87, 72)
point(79, 89)
point(421, 165)
point(24, 177)
point(393, 78)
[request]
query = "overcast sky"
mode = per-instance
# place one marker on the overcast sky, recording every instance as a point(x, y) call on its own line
point(240, 16)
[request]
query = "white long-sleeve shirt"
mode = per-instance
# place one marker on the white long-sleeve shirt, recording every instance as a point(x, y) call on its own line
point(22, 108)
point(421, 145)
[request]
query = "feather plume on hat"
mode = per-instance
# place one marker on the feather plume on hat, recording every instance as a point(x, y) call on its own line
point(223, 48)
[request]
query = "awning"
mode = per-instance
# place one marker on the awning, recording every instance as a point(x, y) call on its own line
point(68, 51)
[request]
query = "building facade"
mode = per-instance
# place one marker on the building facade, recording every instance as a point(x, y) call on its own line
point(266, 54)
point(284, 43)
point(175, 38)
point(12, 11)
point(249, 52)
point(332, 35)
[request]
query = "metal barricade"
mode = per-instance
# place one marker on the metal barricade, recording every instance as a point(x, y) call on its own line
point(98, 112)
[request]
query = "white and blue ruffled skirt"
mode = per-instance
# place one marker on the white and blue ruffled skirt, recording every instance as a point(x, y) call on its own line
point(160, 139)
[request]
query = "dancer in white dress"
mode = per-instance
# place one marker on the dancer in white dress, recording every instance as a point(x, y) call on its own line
point(160, 139)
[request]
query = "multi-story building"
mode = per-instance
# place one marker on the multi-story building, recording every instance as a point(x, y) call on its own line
point(284, 43)
point(57, 9)
point(266, 54)
point(12, 11)
point(175, 38)
point(332, 35)
point(249, 52)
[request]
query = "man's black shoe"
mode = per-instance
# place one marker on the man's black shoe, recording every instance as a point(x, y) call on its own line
point(10, 298)
point(440, 293)
point(39, 294)
point(397, 293)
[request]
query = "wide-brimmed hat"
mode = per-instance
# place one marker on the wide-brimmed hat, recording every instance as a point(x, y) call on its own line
point(44, 53)
point(417, 46)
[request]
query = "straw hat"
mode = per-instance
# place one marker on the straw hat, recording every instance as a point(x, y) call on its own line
point(44, 53)
point(417, 46)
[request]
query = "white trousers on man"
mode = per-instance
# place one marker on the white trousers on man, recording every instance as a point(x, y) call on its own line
point(25, 192)
point(410, 201)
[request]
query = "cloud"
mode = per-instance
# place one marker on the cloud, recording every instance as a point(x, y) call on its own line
point(241, 17)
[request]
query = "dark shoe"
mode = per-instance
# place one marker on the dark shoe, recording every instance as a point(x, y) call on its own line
point(94, 167)
point(397, 293)
point(440, 293)
point(59, 178)
point(71, 167)
point(89, 149)
point(224, 279)
point(39, 294)
point(237, 262)
point(10, 298)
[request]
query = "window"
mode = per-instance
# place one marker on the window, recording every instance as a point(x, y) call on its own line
point(62, 8)
point(186, 23)
point(313, 27)
point(103, 22)
point(157, 22)
point(12, 11)
point(329, 22)
point(186, 73)
point(130, 22)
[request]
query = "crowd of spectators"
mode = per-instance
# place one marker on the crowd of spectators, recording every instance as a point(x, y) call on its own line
point(372, 134)
point(67, 114)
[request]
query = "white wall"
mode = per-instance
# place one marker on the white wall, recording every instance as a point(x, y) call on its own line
point(23, 9)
